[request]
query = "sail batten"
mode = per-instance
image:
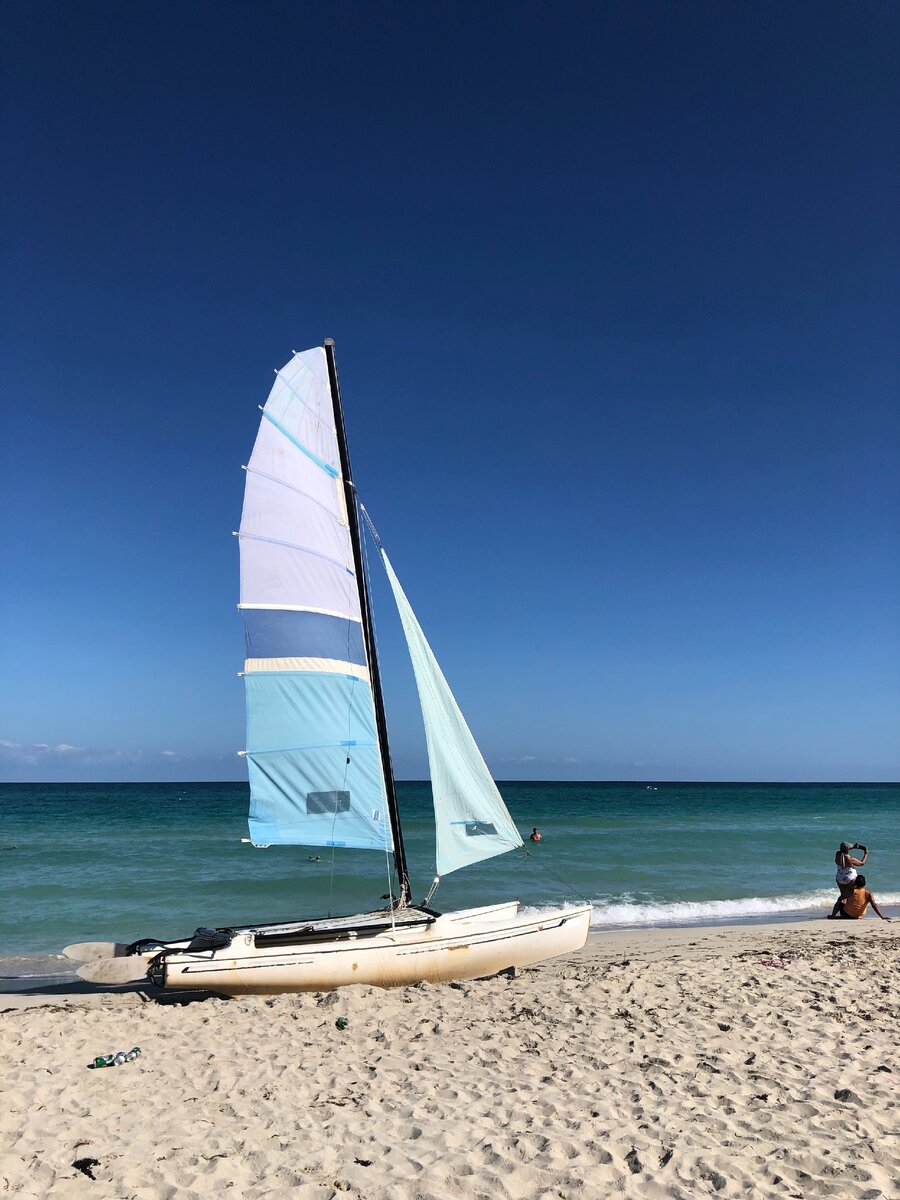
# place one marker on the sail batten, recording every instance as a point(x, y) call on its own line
point(311, 746)
point(291, 487)
point(472, 822)
point(313, 752)
point(303, 449)
point(327, 562)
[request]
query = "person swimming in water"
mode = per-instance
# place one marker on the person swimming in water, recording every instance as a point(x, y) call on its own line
point(535, 835)
point(846, 865)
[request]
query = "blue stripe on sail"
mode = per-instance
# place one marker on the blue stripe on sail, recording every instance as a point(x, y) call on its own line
point(309, 454)
point(299, 760)
point(281, 633)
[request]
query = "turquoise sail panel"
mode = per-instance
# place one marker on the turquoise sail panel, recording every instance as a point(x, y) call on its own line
point(315, 766)
point(327, 790)
point(471, 821)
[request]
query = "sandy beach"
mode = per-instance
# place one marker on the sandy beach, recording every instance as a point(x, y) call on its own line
point(728, 1061)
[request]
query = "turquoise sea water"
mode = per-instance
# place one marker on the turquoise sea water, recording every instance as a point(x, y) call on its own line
point(83, 862)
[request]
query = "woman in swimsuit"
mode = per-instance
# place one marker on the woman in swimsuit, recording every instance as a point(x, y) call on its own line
point(846, 867)
point(854, 907)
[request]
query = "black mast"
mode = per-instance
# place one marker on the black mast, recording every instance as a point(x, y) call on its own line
point(368, 629)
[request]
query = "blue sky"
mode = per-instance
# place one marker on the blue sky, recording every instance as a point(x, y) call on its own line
point(614, 291)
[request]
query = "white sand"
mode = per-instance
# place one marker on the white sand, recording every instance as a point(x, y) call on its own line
point(652, 1064)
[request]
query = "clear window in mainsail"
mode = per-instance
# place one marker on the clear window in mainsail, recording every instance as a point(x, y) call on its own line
point(326, 803)
point(479, 828)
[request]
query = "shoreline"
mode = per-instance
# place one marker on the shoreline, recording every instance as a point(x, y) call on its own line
point(646, 942)
point(8, 982)
point(11, 983)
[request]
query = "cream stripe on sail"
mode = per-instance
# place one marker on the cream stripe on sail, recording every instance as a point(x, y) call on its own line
point(333, 666)
point(325, 612)
point(299, 607)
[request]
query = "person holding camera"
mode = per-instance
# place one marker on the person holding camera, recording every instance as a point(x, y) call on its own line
point(846, 866)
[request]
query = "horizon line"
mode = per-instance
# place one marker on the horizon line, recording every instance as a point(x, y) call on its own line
point(610, 782)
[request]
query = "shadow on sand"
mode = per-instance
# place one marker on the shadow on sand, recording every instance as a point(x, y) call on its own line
point(22, 993)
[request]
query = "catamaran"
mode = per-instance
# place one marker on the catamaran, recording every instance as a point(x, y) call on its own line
point(317, 753)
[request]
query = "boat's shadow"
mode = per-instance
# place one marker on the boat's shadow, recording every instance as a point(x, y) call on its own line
point(48, 991)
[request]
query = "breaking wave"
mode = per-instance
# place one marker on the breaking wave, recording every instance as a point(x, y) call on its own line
point(627, 913)
point(35, 966)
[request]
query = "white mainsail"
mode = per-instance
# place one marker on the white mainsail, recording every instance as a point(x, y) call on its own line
point(315, 765)
point(471, 821)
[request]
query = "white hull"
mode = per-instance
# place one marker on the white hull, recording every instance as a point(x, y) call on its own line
point(461, 945)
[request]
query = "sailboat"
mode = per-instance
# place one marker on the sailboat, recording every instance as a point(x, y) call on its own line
point(318, 756)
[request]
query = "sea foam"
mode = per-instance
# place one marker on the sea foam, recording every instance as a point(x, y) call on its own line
point(625, 913)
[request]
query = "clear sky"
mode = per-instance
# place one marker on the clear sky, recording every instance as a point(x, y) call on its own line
point(614, 291)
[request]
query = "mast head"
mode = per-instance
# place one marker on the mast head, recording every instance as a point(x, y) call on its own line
point(329, 342)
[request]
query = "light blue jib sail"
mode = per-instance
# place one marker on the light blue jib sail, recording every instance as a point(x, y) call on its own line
point(471, 821)
point(316, 776)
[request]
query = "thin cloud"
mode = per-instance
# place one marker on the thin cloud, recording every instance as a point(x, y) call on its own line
point(33, 753)
point(17, 749)
point(526, 759)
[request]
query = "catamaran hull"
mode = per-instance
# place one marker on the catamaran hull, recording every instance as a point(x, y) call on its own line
point(463, 945)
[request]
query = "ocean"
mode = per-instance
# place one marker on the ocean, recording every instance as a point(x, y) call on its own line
point(84, 862)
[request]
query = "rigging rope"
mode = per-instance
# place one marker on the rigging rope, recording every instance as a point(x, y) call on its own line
point(526, 855)
point(390, 877)
point(372, 530)
point(365, 553)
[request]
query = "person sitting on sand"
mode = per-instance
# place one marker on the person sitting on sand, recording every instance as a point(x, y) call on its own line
point(536, 835)
point(846, 867)
point(855, 905)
